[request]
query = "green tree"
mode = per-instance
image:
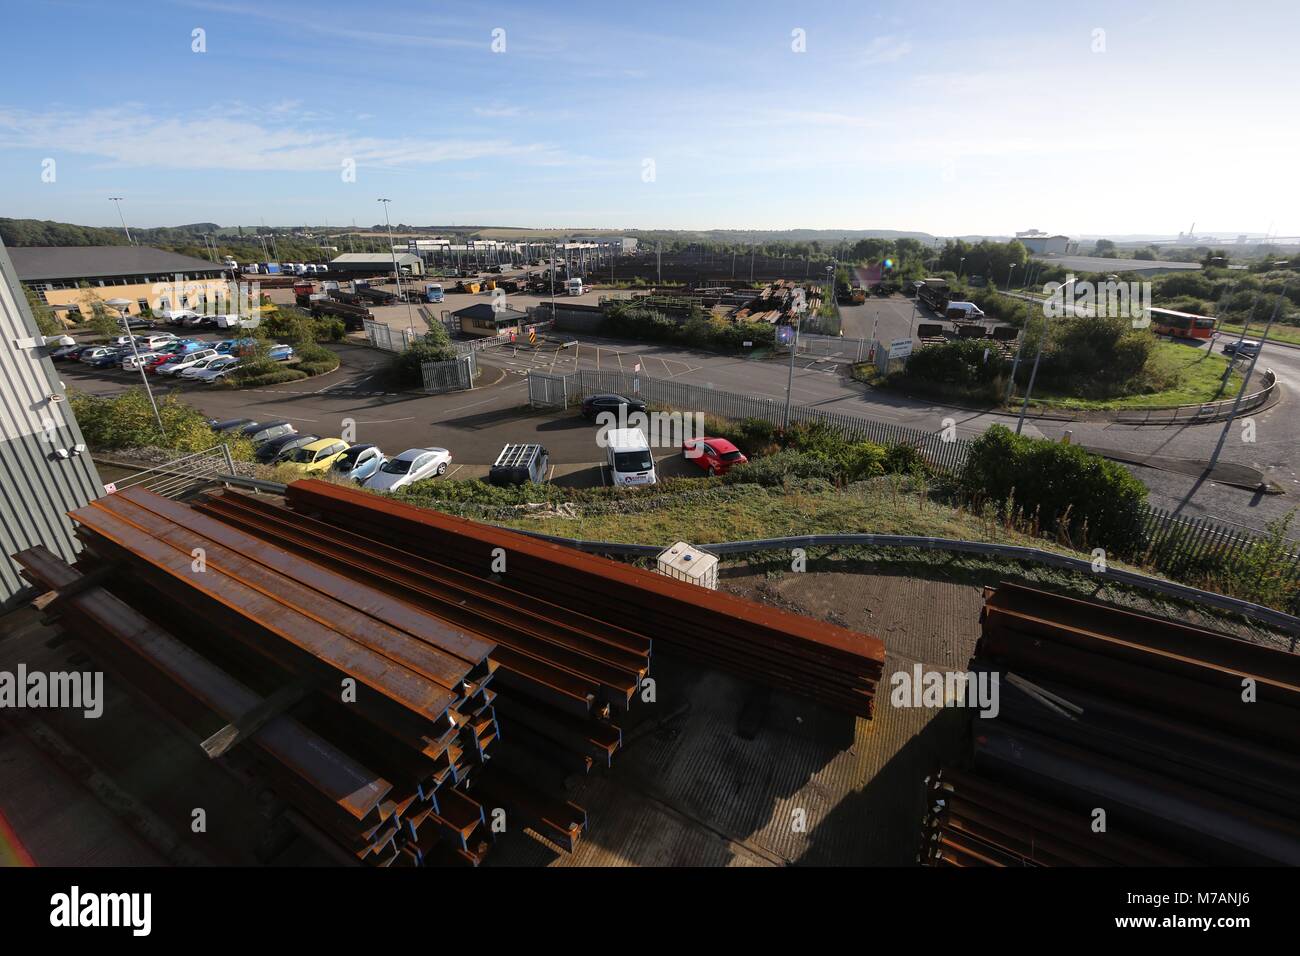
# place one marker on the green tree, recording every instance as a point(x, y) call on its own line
point(42, 313)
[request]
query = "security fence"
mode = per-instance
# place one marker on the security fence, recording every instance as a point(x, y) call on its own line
point(379, 335)
point(454, 375)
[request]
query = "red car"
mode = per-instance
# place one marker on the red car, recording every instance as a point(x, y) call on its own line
point(714, 455)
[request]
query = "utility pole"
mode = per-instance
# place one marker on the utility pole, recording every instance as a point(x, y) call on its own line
point(120, 306)
point(117, 201)
point(1245, 381)
point(789, 385)
point(1024, 408)
point(397, 272)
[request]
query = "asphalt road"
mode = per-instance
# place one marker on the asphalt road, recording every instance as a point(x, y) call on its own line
point(475, 424)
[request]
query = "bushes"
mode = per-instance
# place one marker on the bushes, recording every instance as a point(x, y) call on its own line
point(256, 376)
point(966, 369)
point(315, 359)
point(404, 371)
point(1062, 488)
point(127, 421)
point(782, 468)
point(699, 330)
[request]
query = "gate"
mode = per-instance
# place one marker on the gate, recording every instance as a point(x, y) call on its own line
point(454, 375)
point(548, 391)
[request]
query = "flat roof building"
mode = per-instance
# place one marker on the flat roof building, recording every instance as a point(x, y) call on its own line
point(380, 262)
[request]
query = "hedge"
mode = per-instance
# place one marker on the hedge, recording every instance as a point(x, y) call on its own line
point(1062, 487)
point(127, 421)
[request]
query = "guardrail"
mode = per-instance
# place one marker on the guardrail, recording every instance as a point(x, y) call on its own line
point(1286, 622)
point(1207, 412)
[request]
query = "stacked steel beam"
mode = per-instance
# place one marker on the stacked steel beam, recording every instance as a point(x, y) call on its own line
point(1119, 732)
point(392, 708)
point(562, 677)
point(822, 661)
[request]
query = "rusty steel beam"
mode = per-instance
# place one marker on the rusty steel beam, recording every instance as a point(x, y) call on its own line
point(354, 789)
point(414, 691)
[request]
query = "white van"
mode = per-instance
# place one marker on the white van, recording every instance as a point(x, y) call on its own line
point(232, 321)
point(629, 458)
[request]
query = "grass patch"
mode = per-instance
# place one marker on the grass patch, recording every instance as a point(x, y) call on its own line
point(1197, 373)
point(1278, 333)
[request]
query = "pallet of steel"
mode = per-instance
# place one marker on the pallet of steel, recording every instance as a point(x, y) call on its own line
point(276, 610)
point(346, 799)
point(1191, 671)
point(559, 672)
point(814, 659)
point(1182, 735)
point(974, 821)
point(574, 661)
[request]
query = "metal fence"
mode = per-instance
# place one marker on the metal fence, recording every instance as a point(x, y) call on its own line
point(183, 476)
point(454, 375)
point(548, 391)
point(1208, 412)
point(382, 337)
point(1180, 545)
point(946, 456)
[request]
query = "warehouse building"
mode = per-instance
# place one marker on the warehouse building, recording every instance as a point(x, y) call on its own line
point(148, 278)
point(45, 469)
point(377, 263)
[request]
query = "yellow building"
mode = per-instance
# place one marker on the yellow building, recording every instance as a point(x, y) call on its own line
point(143, 276)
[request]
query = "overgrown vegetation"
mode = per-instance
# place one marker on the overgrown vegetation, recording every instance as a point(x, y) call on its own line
point(405, 369)
point(699, 330)
point(127, 421)
point(1059, 488)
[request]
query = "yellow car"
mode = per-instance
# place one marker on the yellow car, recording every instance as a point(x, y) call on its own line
point(316, 457)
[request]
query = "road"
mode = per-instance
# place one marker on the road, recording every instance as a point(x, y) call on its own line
point(475, 424)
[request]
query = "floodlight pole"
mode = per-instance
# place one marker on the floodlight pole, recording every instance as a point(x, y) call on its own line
point(397, 272)
point(1245, 381)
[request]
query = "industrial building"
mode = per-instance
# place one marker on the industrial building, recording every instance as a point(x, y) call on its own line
point(45, 468)
point(370, 263)
point(148, 278)
point(1146, 267)
point(1040, 243)
point(485, 319)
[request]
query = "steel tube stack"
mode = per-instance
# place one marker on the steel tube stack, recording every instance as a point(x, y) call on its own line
point(1121, 738)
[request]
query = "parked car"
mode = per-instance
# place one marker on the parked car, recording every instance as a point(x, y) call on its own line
point(95, 352)
point(191, 371)
point(593, 405)
point(136, 322)
point(177, 316)
point(1244, 347)
point(261, 432)
point(151, 342)
point(181, 362)
point(229, 425)
point(280, 448)
point(520, 464)
point(69, 352)
point(217, 367)
point(359, 462)
point(317, 457)
point(414, 464)
point(280, 353)
point(713, 455)
point(107, 360)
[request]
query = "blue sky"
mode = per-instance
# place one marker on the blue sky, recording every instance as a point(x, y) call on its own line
point(950, 118)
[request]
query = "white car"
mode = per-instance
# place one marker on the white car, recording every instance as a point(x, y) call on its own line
point(171, 368)
point(191, 371)
point(414, 464)
point(216, 369)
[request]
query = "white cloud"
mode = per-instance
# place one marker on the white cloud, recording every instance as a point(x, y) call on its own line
point(497, 112)
point(235, 140)
point(886, 49)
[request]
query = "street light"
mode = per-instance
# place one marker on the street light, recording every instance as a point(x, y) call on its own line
point(960, 266)
point(120, 306)
point(1009, 271)
point(117, 201)
point(397, 272)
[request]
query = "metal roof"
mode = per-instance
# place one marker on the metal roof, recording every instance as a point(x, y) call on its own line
point(381, 258)
point(37, 263)
point(484, 310)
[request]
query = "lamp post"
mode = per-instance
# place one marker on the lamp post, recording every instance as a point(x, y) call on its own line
point(117, 201)
point(397, 272)
point(960, 266)
point(1009, 271)
point(120, 306)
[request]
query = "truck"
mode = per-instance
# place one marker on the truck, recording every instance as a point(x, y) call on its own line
point(433, 292)
point(573, 286)
point(934, 292)
point(271, 268)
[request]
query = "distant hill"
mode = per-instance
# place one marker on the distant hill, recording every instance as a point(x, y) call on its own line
point(41, 232)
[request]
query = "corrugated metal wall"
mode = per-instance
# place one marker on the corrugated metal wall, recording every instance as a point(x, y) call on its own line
point(37, 488)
